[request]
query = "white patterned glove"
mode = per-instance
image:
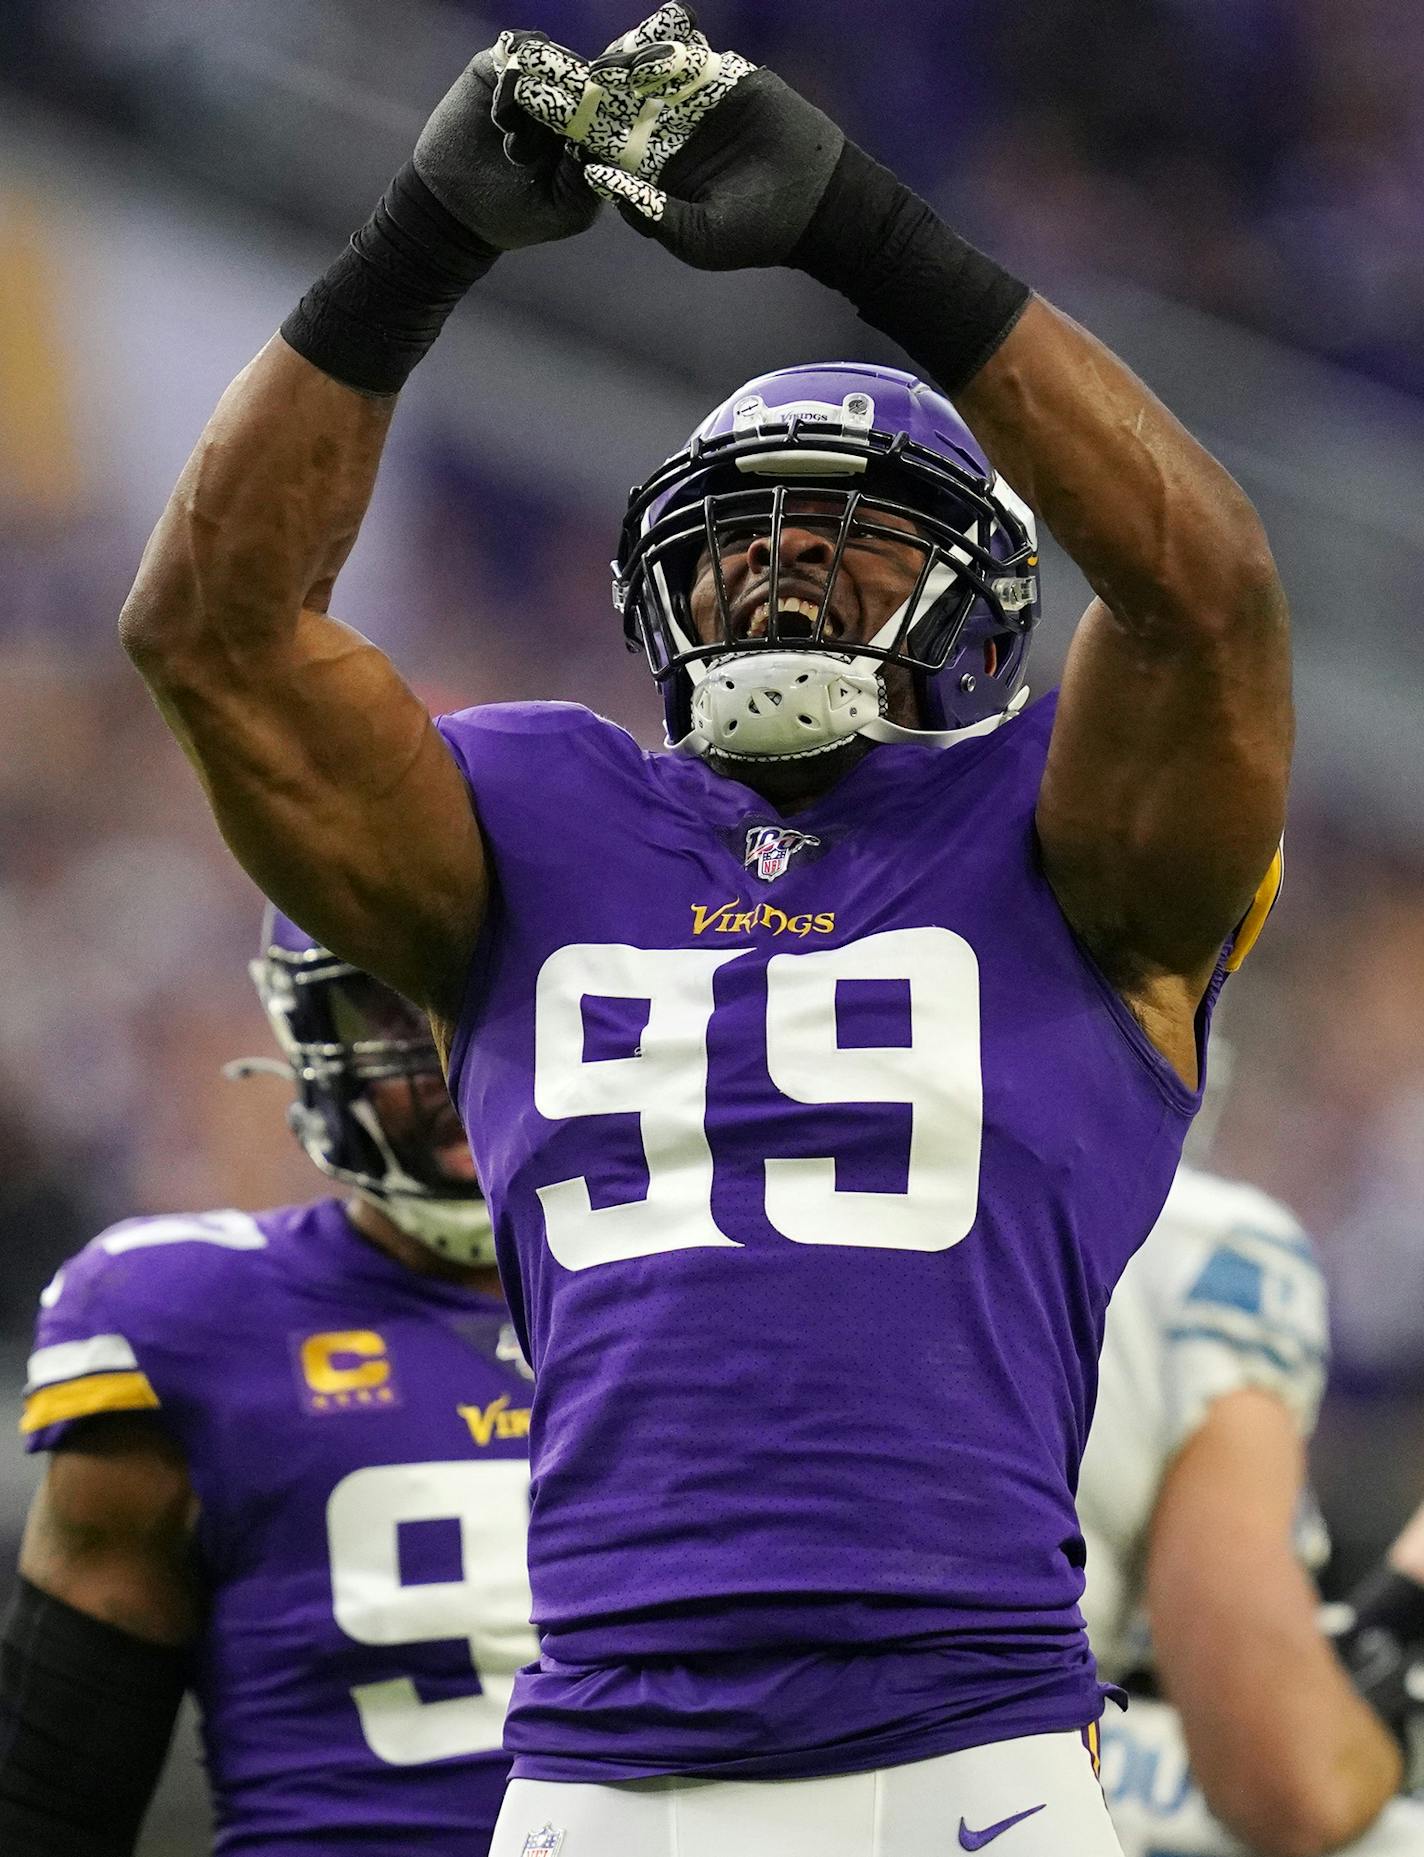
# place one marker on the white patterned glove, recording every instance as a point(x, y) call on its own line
point(638, 102)
point(720, 161)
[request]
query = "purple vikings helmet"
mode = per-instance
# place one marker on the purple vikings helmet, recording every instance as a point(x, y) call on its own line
point(865, 442)
point(340, 1031)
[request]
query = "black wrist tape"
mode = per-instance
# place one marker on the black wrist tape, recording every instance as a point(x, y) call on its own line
point(946, 304)
point(375, 313)
point(86, 1715)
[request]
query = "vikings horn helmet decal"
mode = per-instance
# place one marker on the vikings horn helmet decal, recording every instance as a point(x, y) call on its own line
point(844, 445)
point(340, 1031)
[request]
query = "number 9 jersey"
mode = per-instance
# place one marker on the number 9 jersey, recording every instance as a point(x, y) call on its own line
point(356, 1436)
point(814, 1150)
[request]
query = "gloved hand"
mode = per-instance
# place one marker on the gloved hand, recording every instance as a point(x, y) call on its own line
point(727, 167)
point(720, 161)
point(463, 156)
point(444, 220)
point(1378, 1635)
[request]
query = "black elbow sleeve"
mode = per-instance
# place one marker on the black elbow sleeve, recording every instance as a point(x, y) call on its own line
point(86, 1715)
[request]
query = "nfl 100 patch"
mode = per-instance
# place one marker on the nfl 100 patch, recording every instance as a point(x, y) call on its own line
point(771, 847)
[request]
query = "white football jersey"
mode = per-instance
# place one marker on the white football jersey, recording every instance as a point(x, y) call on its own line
point(1226, 1293)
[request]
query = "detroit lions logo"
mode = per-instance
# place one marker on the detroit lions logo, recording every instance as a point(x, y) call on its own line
point(770, 848)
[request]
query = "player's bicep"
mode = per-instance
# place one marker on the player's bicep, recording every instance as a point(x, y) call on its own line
point(110, 1529)
point(338, 796)
point(1163, 798)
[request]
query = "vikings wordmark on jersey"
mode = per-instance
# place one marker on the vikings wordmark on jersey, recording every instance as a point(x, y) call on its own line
point(810, 1239)
point(357, 1437)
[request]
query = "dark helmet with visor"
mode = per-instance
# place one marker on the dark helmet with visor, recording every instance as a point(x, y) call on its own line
point(340, 1032)
point(838, 446)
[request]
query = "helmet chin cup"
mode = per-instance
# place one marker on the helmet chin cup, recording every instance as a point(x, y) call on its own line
point(778, 705)
point(459, 1230)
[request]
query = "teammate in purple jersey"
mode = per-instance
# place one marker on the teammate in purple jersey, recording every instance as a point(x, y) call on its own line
point(288, 1472)
point(824, 1073)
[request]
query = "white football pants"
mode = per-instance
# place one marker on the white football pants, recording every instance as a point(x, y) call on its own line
point(1034, 1797)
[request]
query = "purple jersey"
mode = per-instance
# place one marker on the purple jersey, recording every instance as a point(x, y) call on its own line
point(357, 1437)
point(814, 1152)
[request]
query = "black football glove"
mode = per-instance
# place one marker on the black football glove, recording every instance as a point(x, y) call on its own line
point(719, 161)
point(728, 168)
point(504, 176)
point(1379, 1637)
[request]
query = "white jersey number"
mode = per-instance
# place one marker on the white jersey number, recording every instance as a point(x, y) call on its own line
point(937, 1073)
point(488, 1605)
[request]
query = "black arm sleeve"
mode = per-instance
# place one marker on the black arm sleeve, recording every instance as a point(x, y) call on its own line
point(947, 305)
point(86, 1715)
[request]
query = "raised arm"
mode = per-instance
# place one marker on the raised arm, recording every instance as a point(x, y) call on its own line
point(324, 771)
point(1285, 1751)
point(1164, 796)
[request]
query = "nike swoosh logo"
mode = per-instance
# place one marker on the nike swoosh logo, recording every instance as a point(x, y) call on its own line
point(976, 1840)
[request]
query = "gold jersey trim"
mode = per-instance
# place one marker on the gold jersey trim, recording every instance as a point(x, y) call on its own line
point(78, 1399)
point(1254, 920)
point(1093, 1739)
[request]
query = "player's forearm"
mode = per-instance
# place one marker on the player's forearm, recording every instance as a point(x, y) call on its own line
point(1306, 1772)
point(1160, 530)
point(263, 516)
point(94, 1652)
point(86, 1715)
point(1285, 1751)
point(1283, 1748)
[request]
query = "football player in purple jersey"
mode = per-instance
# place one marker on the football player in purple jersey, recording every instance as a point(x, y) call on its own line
point(824, 1072)
point(288, 1471)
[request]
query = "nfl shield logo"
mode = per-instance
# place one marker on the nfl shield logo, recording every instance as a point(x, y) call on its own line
point(546, 1843)
point(770, 848)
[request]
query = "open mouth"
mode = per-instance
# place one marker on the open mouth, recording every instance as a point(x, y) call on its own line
point(796, 618)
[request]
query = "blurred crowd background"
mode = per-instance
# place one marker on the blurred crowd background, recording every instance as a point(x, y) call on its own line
point(1230, 191)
